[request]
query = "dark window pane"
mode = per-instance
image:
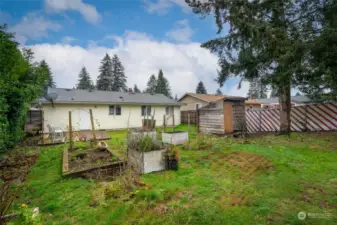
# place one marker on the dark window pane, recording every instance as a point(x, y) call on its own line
point(118, 110)
point(143, 110)
point(148, 110)
point(111, 109)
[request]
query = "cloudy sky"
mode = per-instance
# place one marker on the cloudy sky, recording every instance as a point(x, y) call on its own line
point(147, 35)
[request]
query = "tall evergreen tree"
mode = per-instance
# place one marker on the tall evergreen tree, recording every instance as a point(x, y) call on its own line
point(136, 89)
point(163, 86)
point(218, 92)
point(270, 40)
point(176, 98)
point(151, 85)
point(118, 76)
point(84, 80)
point(105, 78)
point(46, 70)
point(257, 89)
point(201, 88)
point(298, 94)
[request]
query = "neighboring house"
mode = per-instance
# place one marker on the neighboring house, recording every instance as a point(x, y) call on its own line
point(111, 110)
point(193, 101)
point(274, 102)
point(252, 104)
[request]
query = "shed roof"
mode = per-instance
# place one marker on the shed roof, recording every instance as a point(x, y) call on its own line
point(212, 98)
point(77, 96)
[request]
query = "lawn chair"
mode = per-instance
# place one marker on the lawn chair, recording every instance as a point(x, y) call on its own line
point(55, 134)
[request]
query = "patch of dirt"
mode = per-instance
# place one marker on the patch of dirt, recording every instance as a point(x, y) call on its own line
point(248, 162)
point(231, 200)
point(13, 167)
point(81, 159)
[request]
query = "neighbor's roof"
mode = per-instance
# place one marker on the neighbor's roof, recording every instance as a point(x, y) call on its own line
point(295, 99)
point(252, 102)
point(212, 98)
point(106, 97)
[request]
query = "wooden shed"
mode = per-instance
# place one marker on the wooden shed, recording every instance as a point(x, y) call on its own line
point(222, 120)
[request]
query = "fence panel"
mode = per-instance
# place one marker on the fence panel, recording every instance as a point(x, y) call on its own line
point(193, 116)
point(211, 120)
point(313, 117)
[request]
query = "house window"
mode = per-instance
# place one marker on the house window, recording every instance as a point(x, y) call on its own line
point(146, 110)
point(197, 106)
point(115, 110)
point(169, 110)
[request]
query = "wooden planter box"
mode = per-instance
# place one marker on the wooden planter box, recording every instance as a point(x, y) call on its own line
point(147, 162)
point(152, 134)
point(105, 171)
point(175, 138)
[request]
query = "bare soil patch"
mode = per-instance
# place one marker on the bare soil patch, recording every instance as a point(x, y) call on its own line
point(248, 162)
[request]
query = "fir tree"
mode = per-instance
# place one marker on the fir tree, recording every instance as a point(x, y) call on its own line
point(298, 94)
point(218, 92)
point(84, 80)
point(257, 89)
point(46, 70)
point(151, 85)
point(272, 40)
point(136, 89)
point(118, 76)
point(105, 78)
point(201, 88)
point(176, 98)
point(163, 86)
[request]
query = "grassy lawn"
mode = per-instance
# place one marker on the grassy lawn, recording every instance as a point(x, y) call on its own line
point(214, 186)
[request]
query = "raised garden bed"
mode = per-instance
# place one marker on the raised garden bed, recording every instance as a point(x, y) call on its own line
point(92, 163)
point(147, 162)
point(175, 137)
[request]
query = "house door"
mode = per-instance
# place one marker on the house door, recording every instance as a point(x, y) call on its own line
point(84, 119)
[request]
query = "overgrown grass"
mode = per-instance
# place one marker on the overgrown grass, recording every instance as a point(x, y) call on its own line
point(208, 188)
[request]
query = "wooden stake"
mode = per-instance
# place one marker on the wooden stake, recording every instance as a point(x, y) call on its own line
point(188, 120)
point(173, 122)
point(70, 132)
point(92, 126)
point(164, 122)
point(42, 125)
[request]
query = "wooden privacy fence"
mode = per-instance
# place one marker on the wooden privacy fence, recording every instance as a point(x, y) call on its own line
point(211, 120)
point(313, 117)
point(193, 116)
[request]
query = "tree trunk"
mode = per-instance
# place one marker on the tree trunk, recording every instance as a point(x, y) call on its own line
point(285, 107)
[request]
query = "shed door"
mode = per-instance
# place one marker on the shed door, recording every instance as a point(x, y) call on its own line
point(84, 119)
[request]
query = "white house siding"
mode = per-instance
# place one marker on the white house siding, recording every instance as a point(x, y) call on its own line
point(58, 116)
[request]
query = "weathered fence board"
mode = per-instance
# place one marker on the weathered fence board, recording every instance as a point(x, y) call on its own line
point(193, 116)
point(313, 117)
point(211, 120)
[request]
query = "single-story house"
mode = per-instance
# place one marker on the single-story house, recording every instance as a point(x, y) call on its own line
point(111, 110)
point(252, 104)
point(270, 103)
point(216, 113)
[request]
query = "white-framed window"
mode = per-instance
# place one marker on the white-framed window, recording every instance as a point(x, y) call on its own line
point(197, 106)
point(169, 110)
point(146, 110)
point(115, 110)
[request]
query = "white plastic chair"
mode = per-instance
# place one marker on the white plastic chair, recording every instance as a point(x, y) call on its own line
point(55, 133)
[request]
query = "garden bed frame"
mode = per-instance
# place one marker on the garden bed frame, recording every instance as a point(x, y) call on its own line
point(147, 162)
point(175, 137)
point(108, 170)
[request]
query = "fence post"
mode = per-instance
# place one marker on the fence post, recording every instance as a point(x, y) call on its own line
point(164, 122)
point(197, 120)
point(188, 120)
point(92, 125)
point(70, 132)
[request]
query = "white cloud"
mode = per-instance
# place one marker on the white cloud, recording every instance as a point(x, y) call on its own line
point(162, 6)
point(88, 11)
point(34, 26)
point(68, 39)
point(184, 65)
point(181, 32)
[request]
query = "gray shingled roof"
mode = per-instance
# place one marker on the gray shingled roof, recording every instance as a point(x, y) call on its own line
point(106, 97)
point(297, 99)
